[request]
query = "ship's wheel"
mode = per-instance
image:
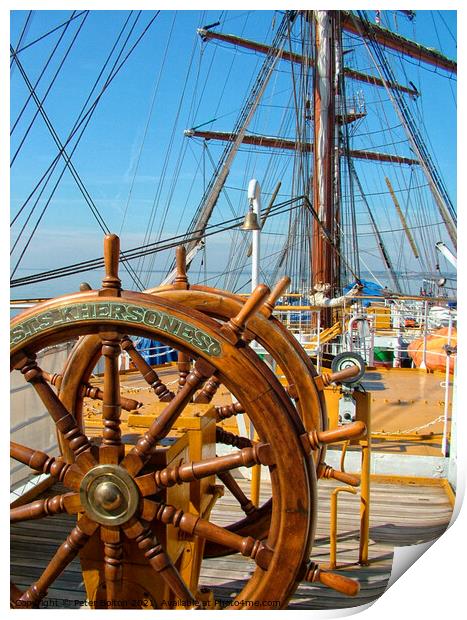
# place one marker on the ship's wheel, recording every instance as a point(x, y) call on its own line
point(118, 494)
point(268, 332)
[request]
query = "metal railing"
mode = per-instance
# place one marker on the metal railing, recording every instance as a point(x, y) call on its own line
point(381, 331)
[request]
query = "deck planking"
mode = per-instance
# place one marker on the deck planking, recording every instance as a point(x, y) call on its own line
point(400, 515)
point(420, 408)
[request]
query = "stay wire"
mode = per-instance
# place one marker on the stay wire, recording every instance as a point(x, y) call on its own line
point(54, 163)
point(87, 115)
point(49, 87)
point(408, 120)
point(49, 59)
point(25, 47)
point(440, 13)
point(146, 127)
point(149, 248)
point(21, 36)
point(81, 186)
point(169, 157)
point(68, 163)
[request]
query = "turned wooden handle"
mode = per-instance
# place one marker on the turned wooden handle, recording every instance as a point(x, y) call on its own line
point(344, 585)
point(258, 454)
point(342, 375)
point(35, 459)
point(342, 476)
point(149, 374)
point(325, 471)
point(180, 260)
point(90, 391)
point(250, 307)
point(316, 439)
point(111, 256)
point(354, 430)
point(54, 379)
point(129, 404)
point(278, 290)
point(181, 279)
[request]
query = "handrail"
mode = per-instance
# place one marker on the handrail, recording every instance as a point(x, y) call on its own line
point(392, 296)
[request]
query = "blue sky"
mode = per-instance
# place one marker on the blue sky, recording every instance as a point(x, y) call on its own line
point(114, 166)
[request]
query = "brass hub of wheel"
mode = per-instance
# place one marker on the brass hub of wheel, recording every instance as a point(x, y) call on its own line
point(109, 494)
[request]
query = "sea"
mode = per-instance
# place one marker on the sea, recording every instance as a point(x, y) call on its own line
point(414, 284)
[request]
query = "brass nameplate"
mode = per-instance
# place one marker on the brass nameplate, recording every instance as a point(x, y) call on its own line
point(115, 311)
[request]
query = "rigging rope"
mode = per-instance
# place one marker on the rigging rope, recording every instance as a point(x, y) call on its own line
point(145, 249)
point(75, 127)
point(65, 23)
point(68, 163)
point(345, 136)
point(146, 127)
point(16, 59)
point(407, 118)
point(40, 75)
point(24, 31)
point(86, 195)
point(209, 199)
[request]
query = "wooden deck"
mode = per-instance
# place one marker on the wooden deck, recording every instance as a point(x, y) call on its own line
point(400, 515)
point(402, 400)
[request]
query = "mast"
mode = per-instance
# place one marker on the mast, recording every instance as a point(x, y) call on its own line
point(326, 147)
point(322, 262)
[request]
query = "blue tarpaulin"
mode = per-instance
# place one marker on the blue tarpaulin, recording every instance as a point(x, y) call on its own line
point(369, 288)
point(299, 316)
point(155, 352)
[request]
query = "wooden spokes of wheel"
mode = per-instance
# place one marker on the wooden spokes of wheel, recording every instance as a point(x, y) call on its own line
point(271, 334)
point(267, 331)
point(108, 487)
point(287, 353)
point(303, 384)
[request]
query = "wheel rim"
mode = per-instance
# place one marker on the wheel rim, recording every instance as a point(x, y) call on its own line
point(268, 332)
point(291, 512)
